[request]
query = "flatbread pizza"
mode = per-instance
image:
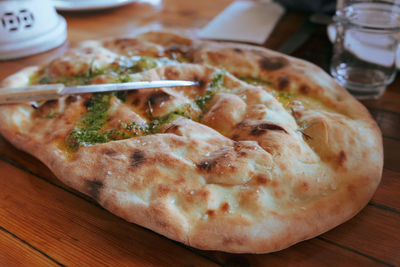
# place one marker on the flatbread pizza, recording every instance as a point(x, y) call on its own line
point(266, 151)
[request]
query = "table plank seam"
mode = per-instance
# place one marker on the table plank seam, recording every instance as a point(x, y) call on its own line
point(374, 108)
point(374, 204)
point(18, 166)
point(180, 244)
point(31, 246)
point(198, 252)
point(355, 251)
point(391, 137)
point(92, 202)
point(383, 207)
point(390, 169)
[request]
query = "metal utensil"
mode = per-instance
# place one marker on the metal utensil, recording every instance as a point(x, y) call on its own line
point(304, 33)
point(54, 91)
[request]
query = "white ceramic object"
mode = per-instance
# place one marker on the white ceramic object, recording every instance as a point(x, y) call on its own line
point(29, 27)
point(78, 5)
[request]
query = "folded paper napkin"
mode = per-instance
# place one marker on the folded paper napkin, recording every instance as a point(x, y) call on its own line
point(244, 21)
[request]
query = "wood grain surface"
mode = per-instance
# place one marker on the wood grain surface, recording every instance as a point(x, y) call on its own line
point(45, 223)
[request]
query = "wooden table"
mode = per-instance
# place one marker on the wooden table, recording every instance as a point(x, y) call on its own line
point(43, 222)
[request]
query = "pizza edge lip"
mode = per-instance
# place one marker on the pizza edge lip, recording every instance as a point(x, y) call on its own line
point(238, 231)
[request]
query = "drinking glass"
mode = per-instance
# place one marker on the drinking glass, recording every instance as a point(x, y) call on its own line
point(366, 44)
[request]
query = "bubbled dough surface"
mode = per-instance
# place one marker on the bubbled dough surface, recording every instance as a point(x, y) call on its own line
point(242, 179)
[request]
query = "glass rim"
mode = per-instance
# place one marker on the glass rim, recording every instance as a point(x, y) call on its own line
point(343, 15)
point(343, 21)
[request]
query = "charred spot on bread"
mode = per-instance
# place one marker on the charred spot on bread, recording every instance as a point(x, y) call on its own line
point(122, 40)
point(273, 63)
point(158, 97)
point(238, 50)
point(109, 152)
point(242, 124)
point(176, 48)
point(221, 160)
point(70, 99)
point(173, 128)
point(261, 179)
point(201, 83)
point(88, 102)
point(304, 89)
point(137, 158)
point(210, 213)
point(136, 101)
point(225, 207)
point(93, 188)
point(341, 158)
point(264, 127)
point(239, 149)
point(283, 83)
point(207, 165)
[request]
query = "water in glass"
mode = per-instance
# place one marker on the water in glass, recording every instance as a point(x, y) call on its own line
point(364, 59)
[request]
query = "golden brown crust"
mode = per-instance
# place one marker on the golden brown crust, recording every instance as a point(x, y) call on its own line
point(260, 168)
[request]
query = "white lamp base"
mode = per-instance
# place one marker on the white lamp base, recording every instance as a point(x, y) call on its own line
point(43, 42)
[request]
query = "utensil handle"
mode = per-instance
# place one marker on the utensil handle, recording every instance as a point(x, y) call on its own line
point(30, 93)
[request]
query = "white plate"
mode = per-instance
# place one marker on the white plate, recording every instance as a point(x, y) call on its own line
point(80, 5)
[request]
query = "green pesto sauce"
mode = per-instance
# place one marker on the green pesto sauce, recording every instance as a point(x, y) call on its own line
point(255, 81)
point(157, 124)
point(215, 84)
point(89, 129)
point(285, 98)
point(122, 69)
point(121, 95)
point(135, 128)
point(51, 114)
point(119, 71)
point(179, 57)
